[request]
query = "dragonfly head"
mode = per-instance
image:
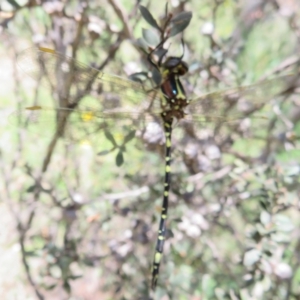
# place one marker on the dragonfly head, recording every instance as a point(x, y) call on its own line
point(175, 65)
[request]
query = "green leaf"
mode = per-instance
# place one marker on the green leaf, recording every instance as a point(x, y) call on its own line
point(129, 136)
point(150, 36)
point(67, 287)
point(104, 152)
point(109, 136)
point(141, 44)
point(88, 262)
point(14, 3)
point(31, 189)
point(49, 287)
point(119, 159)
point(156, 76)
point(74, 277)
point(139, 77)
point(180, 22)
point(148, 17)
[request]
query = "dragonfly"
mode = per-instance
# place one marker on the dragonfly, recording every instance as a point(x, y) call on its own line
point(86, 98)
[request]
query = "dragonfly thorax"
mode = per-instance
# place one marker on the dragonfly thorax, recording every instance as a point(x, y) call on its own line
point(174, 98)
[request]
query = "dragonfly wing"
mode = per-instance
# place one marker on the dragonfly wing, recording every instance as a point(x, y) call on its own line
point(72, 80)
point(61, 74)
point(236, 103)
point(78, 125)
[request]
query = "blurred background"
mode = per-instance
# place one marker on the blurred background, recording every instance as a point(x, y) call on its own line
point(80, 220)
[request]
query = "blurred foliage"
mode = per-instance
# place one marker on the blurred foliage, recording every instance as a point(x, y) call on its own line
point(87, 228)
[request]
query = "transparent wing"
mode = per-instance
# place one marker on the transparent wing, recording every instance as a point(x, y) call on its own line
point(80, 125)
point(71, 80)
point(236, 103)
point(114, 98)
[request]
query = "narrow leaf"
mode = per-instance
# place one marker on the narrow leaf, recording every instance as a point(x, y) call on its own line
point(119, 159)
point(139, 77)
point(142, 44)
point(180, 22)
point(14, 3)
point(148, 17)
point(49, 287)
point(66, 286)
point(156, 76)
point(109, 136)
point(129, 136)
point(182, 17)
point(104, 152)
